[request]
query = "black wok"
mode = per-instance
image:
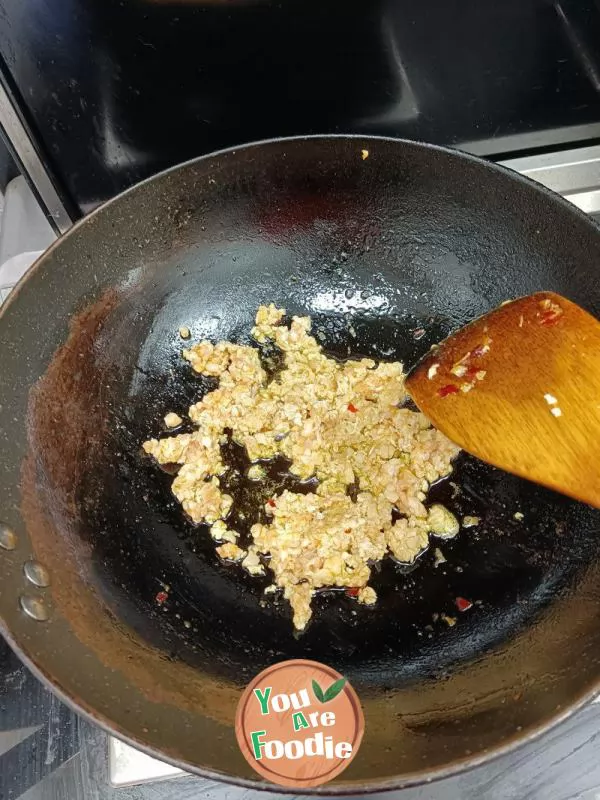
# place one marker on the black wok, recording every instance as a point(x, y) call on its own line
point(414, 237)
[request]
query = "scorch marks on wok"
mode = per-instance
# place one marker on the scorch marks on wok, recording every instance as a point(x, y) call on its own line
point(339, 423)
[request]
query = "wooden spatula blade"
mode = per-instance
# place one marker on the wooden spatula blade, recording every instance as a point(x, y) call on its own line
point(520, 389)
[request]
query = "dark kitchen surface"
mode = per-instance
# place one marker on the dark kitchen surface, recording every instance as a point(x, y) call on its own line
point(115, 90)
point(48, 753)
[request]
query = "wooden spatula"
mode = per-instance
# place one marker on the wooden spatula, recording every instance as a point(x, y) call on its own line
point(520, 389)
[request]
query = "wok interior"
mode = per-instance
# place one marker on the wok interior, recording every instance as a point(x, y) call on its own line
point(411, 239)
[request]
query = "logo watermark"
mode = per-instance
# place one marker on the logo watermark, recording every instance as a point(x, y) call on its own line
point(299, 723)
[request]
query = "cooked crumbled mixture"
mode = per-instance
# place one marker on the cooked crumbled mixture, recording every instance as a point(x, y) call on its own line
point(252, 563)
point(231, 552)
point(367, 596)
point(340, 423)
point(408, 538)
point(442, 522)
point(202, 500)
point(256, 472)
point(221, 533)
point(172, 420)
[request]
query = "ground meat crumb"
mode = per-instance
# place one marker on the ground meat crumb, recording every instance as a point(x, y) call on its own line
point(367, 595)
point(231, 552)
point(221, 533)
point(172, 420)
point(340, 424)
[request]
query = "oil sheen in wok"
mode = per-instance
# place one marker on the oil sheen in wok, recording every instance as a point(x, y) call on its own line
point(341, 425)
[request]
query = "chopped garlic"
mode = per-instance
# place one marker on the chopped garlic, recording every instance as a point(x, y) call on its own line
point(364, 154)
point(172, 420)
point(184, 332)
point(220, 532)
point(252, 563)
point(231, 552)
point(367, 595)
point(442, 522)
point(432, 371)
point(518, 515)
point(550, 399)
point(256, 472)
point(556, 411)
point(470, 522)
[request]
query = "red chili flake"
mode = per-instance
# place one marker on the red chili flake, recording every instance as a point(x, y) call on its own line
point(462, 604)
point(450, 388)
point(353, 591)
point(549, 318)
point(161, 597)
point(271, 502)
point(550, 313)
point(418, 333)
point(352, 408)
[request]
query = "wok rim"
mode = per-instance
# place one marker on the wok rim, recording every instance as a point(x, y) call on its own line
point(413, 779)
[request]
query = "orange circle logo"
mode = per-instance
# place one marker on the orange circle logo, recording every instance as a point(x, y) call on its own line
point(299, 723)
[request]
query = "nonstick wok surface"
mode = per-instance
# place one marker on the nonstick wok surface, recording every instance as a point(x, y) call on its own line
point(407, 244)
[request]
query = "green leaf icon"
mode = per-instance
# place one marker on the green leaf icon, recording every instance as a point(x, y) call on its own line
point(330, 693)
point(318, 692)
point(334, 689)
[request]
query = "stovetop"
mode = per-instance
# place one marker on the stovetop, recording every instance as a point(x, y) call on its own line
point(47, 752)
